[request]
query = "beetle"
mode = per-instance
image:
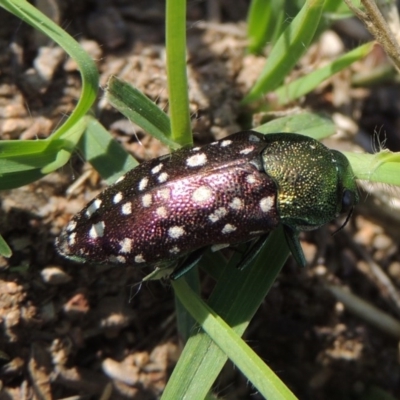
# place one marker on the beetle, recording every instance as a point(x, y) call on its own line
point(233, 190)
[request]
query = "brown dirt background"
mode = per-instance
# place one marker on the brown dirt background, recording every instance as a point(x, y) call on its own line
point(78, 331)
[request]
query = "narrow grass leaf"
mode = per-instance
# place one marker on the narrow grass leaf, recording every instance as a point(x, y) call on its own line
point(15, 180)
point(5, 250)
point(24, 161)
point(139, 109)
point(175, 35)
point(288, 49)
point(308, 83)
point(310, 124)
point(260, 375)
point(106, 155)
point(383, 167)
point(235, 298)
point(259, 22)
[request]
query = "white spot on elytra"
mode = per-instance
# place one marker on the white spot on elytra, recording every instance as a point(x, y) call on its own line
point(202, 194)
point(143, 183)
point(71, 226)
point(247, 150)
point(93, 208)
point(228, 228)
point(162, 177)
point(118, 197)
point(126, 245)
point(196, 148)
point(164, 193)
point(71, 239)
point(216, 247)
point(162, 212)
point(97, 230)
point(175, 250)
point(147, 200)
point(266, 203)
point(157, 169)
point(218, 214)
point(139, 259)
point(176, 232)
point(120, 179)
point(236, 204)
point(197, 160)
point(254, 138)
point(126, 208)
point(225, 143)
point(251, 179)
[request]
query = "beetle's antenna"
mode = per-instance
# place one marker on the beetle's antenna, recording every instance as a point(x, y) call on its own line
point(137, 285)
point(345, 222)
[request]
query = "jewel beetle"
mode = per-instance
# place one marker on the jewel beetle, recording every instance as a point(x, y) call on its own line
point(230, 191)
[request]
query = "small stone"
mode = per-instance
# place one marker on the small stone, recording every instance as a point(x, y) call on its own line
point(54, 276)
point(394, 270)
point(47, 62)
point(382, 242)
point(129, 374)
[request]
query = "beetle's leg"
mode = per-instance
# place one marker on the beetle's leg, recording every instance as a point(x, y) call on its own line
point(293, 242)
point(190, 261)
point(252, 252)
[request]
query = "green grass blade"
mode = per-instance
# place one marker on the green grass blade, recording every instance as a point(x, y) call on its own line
point(236, 298)
point(259, 21)
point(176, 71)
point(24, 161)
point(383, 167)
point(90, 80)
point(290, 46)
point(309, 124)
point(140, 109)
point(306, 84)
point(33, 150)
point(5, 250)
point(106, 155)
point(262, 377)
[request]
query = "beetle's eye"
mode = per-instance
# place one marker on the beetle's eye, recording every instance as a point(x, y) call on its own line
point(347, 201)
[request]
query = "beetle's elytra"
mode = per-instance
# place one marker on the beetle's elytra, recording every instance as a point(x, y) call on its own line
point(230, 191)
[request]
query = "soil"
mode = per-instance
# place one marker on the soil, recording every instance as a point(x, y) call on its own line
point(77, 330)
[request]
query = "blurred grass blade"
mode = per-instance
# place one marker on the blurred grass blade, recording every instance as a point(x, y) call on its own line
point(309, 82)
point(185, 322)
point(236, 298)
point(290, 46)
point(263, 21)
point(5, 250)
point(383, 167)
point(175, 34)
point(90, 79)
point(309, 124)
point(260, 375)
point(179, 113)
point(106, 155)
point(140, 109)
